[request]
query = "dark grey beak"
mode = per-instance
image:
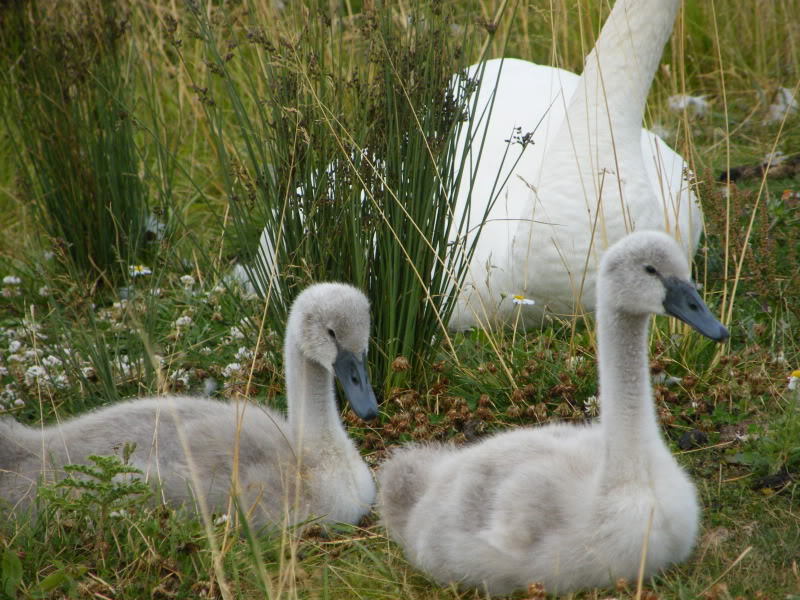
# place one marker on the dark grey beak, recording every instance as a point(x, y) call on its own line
point(684, 303)
point(352, 374)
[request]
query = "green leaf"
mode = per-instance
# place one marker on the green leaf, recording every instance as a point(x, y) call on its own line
point(12, 573)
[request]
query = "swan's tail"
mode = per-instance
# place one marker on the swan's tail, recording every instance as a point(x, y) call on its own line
point(402, 480)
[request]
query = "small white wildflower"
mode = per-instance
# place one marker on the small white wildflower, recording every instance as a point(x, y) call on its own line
point(3, 371)
point(187, 281)
point(32, 354)
point(11, 280)
point(221, 520)
point(51, 361)
point(591, 406)
point(697, 105)
point(794, 380)
point(139, 270)
point(231, 370)
point(44, 291)
point(236, 333)
point(118, 514)
point(61, 381)
point(180, 376)
point(10, 292)
point(522, 300)
point(35, 374)
point(244, 353)
point(48, 255)
point(14, 346)
point(156, 292)
point(182, 322)
point(205, 350)
point(785, 103)
point(88, 372)
point(15, 358)
point(19, 402)
point(574, 361)
point(121, 305)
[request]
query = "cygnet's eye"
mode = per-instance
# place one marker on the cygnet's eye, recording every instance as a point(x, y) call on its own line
point(332, 333)
point(650, 269)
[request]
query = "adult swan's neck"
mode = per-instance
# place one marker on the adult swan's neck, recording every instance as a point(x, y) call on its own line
point(312, 412)
point(627, 415)
point(619, 70)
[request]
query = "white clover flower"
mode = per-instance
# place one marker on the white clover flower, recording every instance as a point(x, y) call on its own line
point(522, 300)
point(35, 374)
point(61, 381)
point(591, 406)
point(32, 354)
point(14, 346)
point(19, 402)
point(221, 520)
point(181, 375)
point(205, 350)
point(187, 281)
point(11, 280)
point(15, 358)
point(697, 105)
point(44, 291)
point(244, 353)
point(139, 270)
point(231, 370)
point(184, 321)
point(52, 361)
point(236, 333)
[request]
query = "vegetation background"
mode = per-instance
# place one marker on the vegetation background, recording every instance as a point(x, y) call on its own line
point(146, 144)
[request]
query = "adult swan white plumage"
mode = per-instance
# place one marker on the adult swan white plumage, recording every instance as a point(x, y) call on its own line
point(592, 175)
point(298, 467)
point(569, 506)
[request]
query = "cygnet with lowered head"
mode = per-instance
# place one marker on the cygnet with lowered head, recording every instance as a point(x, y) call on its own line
point(282, 470)
point(570, 506)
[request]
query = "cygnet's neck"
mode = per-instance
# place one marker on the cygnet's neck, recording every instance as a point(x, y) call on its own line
point(312, 411)
point(627, 414)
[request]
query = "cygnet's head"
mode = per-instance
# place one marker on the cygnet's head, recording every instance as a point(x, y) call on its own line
point(647, 272)
point(329, 323)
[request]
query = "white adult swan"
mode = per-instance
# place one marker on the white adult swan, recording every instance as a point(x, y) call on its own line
point(569, 506)
point(592, 175)
point(301, 466)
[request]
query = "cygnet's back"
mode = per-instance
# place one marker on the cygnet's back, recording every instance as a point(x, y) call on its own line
point(197, 447)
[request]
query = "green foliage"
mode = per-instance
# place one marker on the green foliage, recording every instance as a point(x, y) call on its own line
point(342, 143)
point(66, 95)
point(100, 488)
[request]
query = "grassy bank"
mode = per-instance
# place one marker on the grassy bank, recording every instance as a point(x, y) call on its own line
point(74, 336)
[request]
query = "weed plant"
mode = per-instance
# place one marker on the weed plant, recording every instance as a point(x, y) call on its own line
point(341, 140)
point(67, 90)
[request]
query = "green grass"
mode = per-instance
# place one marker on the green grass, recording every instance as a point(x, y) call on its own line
point(183, 324)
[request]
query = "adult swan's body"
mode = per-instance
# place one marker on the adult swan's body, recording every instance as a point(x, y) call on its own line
point(592, 175)
point(569, 506)
point(301, 466)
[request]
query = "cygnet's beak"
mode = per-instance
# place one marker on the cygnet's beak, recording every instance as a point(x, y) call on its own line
point(684, 303)
point(352, 374)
